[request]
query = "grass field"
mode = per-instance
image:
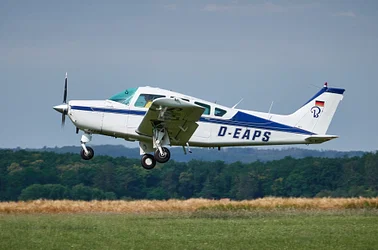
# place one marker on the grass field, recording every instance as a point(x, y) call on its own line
point(215, 225)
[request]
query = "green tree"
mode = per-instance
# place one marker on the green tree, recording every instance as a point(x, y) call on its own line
point(48, 191)
point(371, 171)
point(81, 192)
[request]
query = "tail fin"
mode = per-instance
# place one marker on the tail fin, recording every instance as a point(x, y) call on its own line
point(316, 114)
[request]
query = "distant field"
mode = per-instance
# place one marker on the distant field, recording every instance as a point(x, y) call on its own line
point(270, 223)
point(191, 205)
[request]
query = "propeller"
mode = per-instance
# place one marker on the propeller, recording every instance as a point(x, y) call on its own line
point(63, 108)
point(64, 101)
point(65, 90)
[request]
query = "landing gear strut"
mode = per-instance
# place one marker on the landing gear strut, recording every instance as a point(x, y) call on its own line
point(162, 154)
point(86, 153)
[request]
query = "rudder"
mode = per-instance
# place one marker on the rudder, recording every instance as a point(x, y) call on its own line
point(316, 114)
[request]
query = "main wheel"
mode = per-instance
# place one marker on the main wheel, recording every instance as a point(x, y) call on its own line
point(162, 158)
point(87, 156)
point(148, 161)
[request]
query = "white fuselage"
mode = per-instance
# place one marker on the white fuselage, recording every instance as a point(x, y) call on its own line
point(234, 128)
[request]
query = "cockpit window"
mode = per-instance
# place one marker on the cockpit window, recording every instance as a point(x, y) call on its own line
point(124, 97)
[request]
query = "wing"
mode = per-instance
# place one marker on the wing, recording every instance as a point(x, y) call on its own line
point(177, 116)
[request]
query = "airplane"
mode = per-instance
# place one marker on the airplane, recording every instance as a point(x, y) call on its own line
point(158, 118)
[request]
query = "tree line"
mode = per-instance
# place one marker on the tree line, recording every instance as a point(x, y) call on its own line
point(228, 155)
point(26, 175)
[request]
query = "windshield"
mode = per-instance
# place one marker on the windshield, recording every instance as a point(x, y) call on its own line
point(124, 97)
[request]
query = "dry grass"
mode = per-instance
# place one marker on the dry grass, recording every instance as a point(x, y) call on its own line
point(191, 205)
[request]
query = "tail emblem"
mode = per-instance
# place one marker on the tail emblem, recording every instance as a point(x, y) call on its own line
point(316, 111)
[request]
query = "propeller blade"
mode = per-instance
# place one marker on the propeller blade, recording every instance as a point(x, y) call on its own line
point(63, 119)
point(65, 90)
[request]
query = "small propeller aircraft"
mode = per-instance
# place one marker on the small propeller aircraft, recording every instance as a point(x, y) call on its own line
point(158, 118)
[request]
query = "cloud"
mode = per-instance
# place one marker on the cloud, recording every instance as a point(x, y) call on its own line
point(345, 14)
point(170, 7)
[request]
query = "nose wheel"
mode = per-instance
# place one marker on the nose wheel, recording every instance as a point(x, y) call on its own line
point(148, 161)
point(87, 155)
point(162, 156)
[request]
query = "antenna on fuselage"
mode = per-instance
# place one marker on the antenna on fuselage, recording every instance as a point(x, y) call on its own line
point(271, 106)
point(270, 109)
point(237, 103)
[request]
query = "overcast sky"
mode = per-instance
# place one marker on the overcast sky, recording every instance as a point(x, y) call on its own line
point(262, 51)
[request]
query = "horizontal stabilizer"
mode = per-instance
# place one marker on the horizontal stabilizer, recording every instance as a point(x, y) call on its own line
point(320, 138)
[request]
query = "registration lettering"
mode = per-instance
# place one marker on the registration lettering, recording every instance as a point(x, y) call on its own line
point(245, 134)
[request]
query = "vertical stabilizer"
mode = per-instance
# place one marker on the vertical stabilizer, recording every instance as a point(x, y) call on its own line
point(316, 114)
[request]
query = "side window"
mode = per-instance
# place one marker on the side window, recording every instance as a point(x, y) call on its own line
point(207, 108)
point(219, 112)
point(145, 100)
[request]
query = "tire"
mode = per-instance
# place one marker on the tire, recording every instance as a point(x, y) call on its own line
point(162, 158)
point(88, 156)
point(148, 161)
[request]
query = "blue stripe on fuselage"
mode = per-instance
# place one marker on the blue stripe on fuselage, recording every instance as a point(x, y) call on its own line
point(248, 120)
point(239, 119)
point(108, 110)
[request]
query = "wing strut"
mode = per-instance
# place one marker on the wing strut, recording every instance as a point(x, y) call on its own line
point(160, 138)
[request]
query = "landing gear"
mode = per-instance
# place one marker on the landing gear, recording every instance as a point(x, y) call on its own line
point(148, 161)
point(162, 156)
point(86, 153)
point(159, 139)
point(87, 156)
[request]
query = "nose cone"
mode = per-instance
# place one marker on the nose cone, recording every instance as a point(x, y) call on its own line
point(62, 108)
